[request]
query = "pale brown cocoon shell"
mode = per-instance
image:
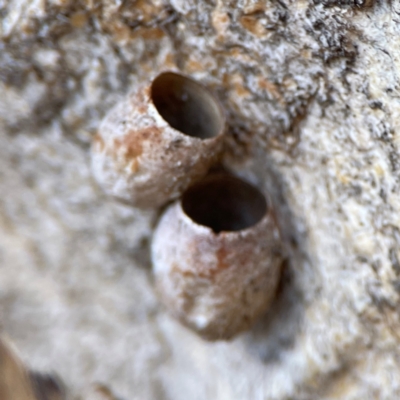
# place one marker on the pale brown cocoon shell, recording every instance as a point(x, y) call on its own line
point(158, 141)
point(216, 256)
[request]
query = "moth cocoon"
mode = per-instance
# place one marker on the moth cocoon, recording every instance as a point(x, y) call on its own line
point(216, 257)
point(158, 141)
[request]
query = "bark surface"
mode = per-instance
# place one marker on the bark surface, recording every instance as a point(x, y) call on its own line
point(311, 90)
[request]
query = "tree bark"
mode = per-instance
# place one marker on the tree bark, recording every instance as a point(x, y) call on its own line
point(311, 90)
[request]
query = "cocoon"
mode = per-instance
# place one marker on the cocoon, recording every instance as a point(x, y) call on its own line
point(216, 257)
point(158, 141)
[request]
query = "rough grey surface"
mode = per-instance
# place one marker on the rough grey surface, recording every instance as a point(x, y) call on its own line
point(312, 94)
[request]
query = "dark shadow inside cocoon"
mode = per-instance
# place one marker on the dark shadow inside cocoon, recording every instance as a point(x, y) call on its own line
point(224, 203)
point(187, 106)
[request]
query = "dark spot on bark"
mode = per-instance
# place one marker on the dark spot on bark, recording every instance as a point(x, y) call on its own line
point(376, 104)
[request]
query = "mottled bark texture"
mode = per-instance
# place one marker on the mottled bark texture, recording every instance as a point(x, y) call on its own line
point(312, 93)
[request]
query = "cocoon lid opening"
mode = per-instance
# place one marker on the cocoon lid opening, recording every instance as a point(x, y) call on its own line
point(187, 106)
point(224, 203)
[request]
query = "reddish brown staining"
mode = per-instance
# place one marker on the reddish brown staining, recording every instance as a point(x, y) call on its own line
point(131, 146)
point(141, 99)
point(186, 274)
point(142, 109)
point(98, 143)
point(132, 143)
point(221, 257)
point(179, 273)
point(189, 274)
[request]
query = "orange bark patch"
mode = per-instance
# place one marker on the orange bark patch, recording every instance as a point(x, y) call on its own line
point(149, 33)
point(78, 20)
point(194, 65)
point(252, 24)
point(254, 8)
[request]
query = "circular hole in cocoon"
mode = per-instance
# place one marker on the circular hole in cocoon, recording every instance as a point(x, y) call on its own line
point(187, 106)
point(224, 203)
